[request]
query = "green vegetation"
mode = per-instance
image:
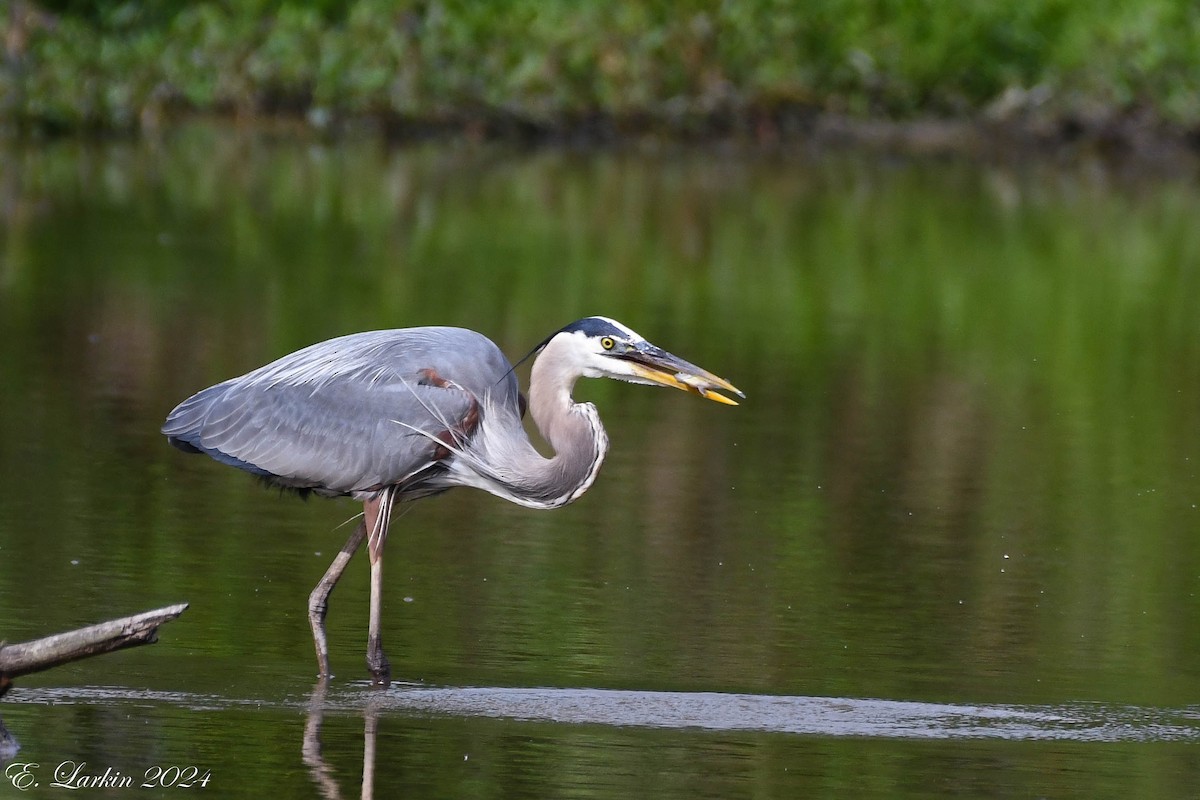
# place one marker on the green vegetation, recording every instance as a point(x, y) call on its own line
point(692, 67)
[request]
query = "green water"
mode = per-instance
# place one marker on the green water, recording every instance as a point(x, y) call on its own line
point(964, 476)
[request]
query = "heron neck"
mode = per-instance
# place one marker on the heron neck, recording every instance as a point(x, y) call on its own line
point(573, 430)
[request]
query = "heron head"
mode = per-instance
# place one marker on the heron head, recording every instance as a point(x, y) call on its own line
point(600, 347)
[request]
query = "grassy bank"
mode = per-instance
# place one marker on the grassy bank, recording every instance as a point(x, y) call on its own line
point(756, 67)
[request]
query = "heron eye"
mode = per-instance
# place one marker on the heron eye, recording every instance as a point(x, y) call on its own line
point(607, 343)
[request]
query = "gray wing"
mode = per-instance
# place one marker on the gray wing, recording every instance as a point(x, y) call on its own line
point(339, 416)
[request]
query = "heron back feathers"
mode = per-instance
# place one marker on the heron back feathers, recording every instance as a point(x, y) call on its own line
point(347, 415)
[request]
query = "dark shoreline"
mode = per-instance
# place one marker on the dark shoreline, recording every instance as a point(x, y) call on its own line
point(1141, 142)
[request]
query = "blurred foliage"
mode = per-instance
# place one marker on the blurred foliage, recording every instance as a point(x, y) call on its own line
point(551, 63)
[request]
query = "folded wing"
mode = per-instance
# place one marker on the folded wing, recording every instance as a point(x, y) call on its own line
point(351, 414)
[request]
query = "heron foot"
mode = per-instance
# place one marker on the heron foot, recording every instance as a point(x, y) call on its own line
point(377, 662)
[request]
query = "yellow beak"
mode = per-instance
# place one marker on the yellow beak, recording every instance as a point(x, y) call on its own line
point(660, 367)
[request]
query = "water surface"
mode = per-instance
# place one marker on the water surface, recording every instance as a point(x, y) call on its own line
point(948, 545)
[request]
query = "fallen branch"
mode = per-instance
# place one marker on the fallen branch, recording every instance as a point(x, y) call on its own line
point(62, 648)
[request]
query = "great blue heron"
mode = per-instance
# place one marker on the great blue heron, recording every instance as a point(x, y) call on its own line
point(401, 414)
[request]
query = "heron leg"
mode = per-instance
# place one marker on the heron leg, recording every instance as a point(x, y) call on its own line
point(377, 516)
point(318, 601)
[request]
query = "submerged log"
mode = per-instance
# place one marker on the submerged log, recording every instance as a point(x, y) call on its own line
point(62, 648)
